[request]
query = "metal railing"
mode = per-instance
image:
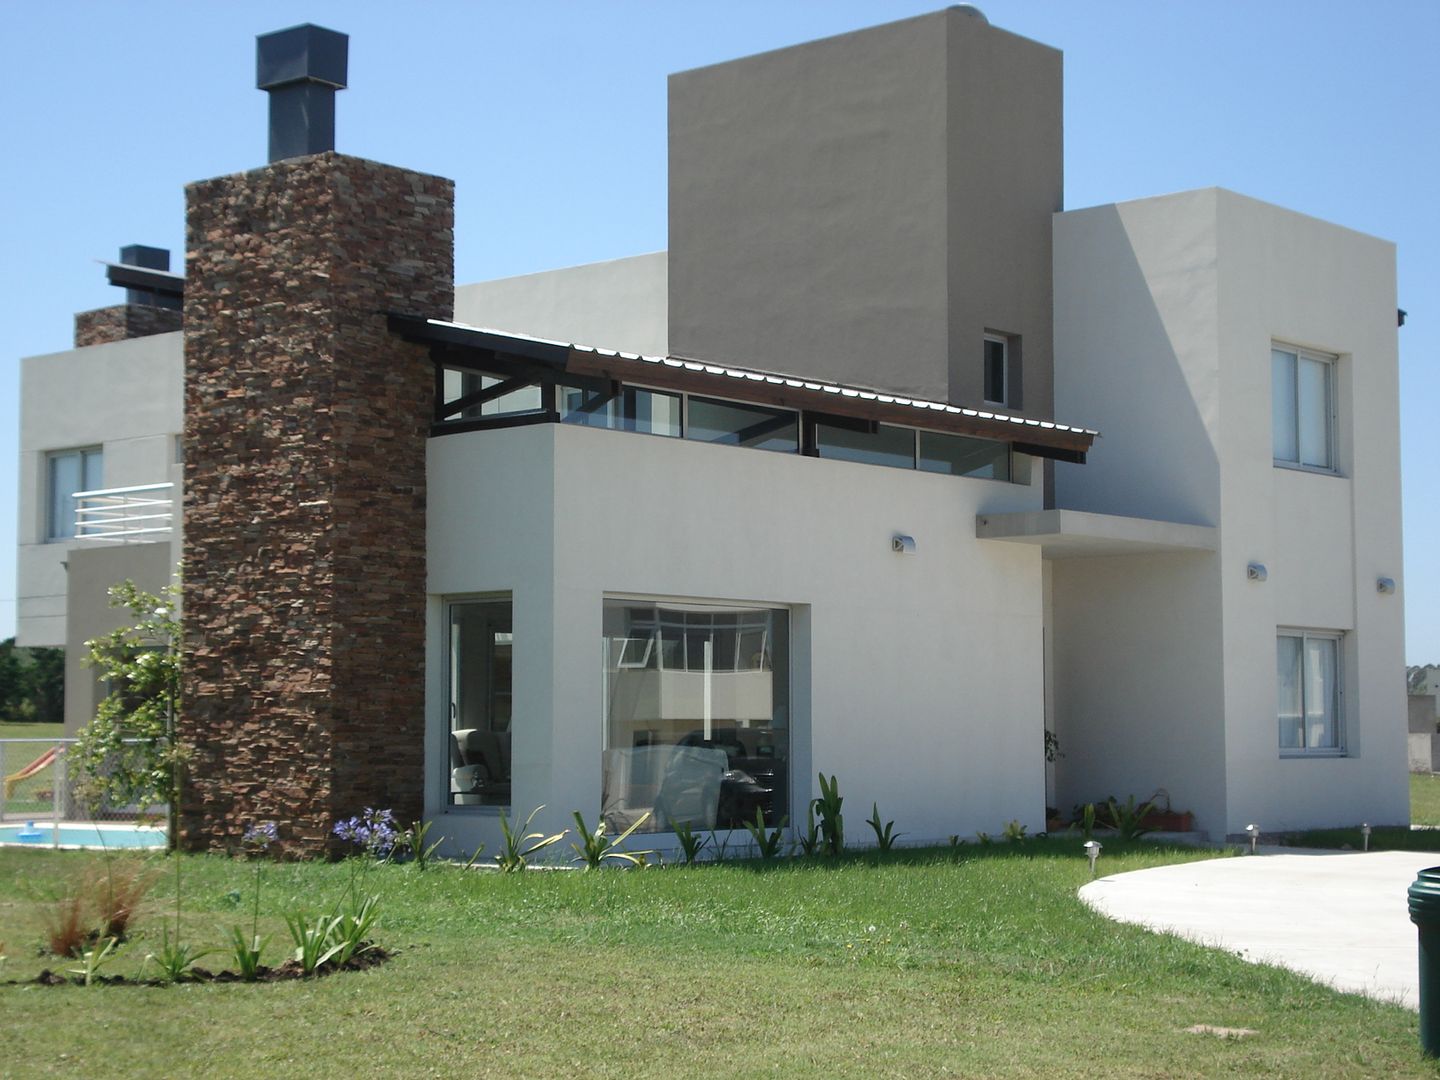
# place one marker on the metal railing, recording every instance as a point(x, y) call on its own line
point(125, 514)
point(43, 802)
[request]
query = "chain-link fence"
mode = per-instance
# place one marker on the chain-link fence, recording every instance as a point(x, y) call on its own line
point(44, 801)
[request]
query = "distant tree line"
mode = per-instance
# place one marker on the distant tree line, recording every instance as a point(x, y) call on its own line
point(32, 684)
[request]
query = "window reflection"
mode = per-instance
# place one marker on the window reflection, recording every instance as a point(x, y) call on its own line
point(697, 715)
point(733, 424)
point(480, 676)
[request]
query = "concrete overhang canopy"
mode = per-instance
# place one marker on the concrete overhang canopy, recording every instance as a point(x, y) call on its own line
point(1075, 534)
point(450, 342)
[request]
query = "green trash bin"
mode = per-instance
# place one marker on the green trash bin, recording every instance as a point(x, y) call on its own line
point(1424, 896)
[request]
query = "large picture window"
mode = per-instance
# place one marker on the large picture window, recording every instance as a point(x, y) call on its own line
point(480, 657)
point(697, 715)
point(66, 472)
point(1308, 680)
point(1303, 407)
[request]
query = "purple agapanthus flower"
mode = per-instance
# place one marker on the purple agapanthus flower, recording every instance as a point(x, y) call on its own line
point(262, 834)
point(373, 830)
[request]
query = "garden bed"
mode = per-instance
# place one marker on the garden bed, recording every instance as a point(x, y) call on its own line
point(286, 972)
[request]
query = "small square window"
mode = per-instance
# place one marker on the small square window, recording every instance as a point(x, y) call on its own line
point(1309, 697)
point(1302, 387)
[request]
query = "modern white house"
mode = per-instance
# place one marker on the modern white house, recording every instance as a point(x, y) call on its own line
point(889, 466)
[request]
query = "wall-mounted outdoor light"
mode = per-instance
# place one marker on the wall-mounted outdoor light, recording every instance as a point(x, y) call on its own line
point(1253, 831)
point(1092, 852)
point(1385, 585)
point(902, 544)
point(1256, 572)
point(1365, 836)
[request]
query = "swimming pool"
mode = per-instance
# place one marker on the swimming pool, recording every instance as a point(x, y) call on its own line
point(80, 835)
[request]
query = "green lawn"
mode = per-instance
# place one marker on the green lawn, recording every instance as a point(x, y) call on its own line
point(1424, 799)
point(30, 731)
point(16, 757)
point(912, 964)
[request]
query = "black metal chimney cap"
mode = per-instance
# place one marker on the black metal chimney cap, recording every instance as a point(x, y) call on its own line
point(151, 258)
point(306, 53)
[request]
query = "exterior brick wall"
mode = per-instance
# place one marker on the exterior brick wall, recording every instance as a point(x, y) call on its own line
point(123, 321)
point(304, 530)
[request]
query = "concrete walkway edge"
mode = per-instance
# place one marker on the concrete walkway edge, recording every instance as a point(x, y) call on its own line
point(1340, 918)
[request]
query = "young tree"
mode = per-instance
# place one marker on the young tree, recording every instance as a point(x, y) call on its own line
point(32, 684)
point(128, 752)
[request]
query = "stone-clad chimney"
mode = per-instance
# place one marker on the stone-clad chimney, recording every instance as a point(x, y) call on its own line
point(304, 534)
point(152, 299)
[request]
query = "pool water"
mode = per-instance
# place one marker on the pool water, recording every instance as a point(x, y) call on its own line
point(86, 836)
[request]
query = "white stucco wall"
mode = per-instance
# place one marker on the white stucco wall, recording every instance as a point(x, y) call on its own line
point(1166, 310)
point(1324, 538)
point(125, 396)
point(1139, 692)
point(619, 304)
point(917, 679)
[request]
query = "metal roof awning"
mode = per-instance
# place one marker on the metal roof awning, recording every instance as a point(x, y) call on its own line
point(1076, 534)
point(500, 351)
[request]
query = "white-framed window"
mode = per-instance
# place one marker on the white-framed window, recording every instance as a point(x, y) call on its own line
point(1310, 692)
point(1302, 402)
point(66, 472)
point(997, 369)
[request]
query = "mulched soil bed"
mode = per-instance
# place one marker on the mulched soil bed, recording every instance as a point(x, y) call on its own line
point(289, 970)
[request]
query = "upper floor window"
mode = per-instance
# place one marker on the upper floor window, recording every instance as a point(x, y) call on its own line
point(1303, 406)
point(66, 472)
point(997, 369)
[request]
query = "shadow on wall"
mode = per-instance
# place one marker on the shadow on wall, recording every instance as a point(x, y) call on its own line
point(1119, 368)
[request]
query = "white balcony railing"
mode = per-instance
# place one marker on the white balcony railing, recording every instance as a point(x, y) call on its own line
point(124, 515)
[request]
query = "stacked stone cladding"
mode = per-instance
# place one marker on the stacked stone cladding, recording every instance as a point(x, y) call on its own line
point(123, 321)
point(304, 530)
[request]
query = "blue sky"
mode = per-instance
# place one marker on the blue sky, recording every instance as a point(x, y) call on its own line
point(550, 117)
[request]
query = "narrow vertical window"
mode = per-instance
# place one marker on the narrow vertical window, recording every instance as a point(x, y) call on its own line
point(480, 666)
point(997, 370)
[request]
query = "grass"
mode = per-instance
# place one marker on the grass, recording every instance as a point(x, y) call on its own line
point(17, 756)
point(1424, 799)
point(1424, 810)
point(10, 730)
point(914, 963)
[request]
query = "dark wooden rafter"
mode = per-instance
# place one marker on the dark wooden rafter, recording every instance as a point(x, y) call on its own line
point(763, 428)
point(597, 401)
point(1041, 441)
point(522, 361)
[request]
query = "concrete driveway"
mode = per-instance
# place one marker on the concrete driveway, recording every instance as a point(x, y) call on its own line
point(1339, 917)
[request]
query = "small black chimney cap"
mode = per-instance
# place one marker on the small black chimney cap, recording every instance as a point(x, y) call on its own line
point(144, 273)
point(151, 258)
point(306, 53)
